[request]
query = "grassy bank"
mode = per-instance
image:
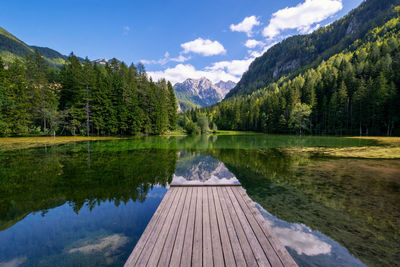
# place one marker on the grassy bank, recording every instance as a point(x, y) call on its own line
point(223, 132)
point(219, 132)
point(12, 143)
point(389, 148)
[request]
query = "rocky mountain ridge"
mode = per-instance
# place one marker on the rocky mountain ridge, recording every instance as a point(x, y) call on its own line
point(202, 92)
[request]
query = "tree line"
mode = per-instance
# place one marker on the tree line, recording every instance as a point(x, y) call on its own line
point(354, 92)
point(82, 98)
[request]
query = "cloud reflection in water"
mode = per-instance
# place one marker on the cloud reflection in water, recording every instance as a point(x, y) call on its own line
point(309, 247)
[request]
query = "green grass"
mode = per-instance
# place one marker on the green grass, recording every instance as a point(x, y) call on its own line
point(8, 56)
point(178, 132)
point(223, 132)
point(15, 143)
point(389, 148)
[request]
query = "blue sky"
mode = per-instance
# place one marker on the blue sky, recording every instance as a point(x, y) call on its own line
point(175, 39)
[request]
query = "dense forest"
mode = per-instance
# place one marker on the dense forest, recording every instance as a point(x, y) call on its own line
point(82, 98)
point(298, 53)
point(353, 92)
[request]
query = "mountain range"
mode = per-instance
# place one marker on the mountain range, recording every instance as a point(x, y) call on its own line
point(296, 54)
point(201, 92)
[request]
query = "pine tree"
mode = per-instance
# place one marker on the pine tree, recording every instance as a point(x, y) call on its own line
point(172, 109)
point(88, 86)
point(18, 115)
point(44, 104)
point(73, 94)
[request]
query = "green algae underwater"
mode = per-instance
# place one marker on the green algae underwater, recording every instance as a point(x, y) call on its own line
point(89, 202)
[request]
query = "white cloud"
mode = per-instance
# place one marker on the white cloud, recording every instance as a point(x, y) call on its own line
point(310, 29)
point(217, 71)
point(296, 236)
point(204, 47)
point(255, 53)
point(251, 43)
point(299, 238)
point(126, 30)
point(302, 16)
point(246, 25)
point(165, 59)
point(14, 262)
point(233, 67)
point(181, 72)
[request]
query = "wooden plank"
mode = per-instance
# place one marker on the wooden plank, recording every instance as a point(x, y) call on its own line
point(262, 239)
point(198, 231)
point(172, 235)
point(236, 230)
point(145, 256)
point(207, 246)
point(203, 185)
point(223, 224)
point(218, 257)
point(158, 215)
point(208, 226)
point(180, 236)
point(162, 237)
point(188, 240)
point(259, 254)
point(283, 254)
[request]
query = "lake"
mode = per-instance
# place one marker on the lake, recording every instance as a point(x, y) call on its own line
point(87, 204)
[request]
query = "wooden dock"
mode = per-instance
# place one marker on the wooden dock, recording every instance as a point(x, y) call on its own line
point(208, 226)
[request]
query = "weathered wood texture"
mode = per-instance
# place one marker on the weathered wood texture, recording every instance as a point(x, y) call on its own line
point(208, 226)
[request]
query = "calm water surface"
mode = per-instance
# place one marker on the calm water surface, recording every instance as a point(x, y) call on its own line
point(86, 204)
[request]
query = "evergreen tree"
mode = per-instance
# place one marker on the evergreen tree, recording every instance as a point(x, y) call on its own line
point(83, 98)
point(172, 107)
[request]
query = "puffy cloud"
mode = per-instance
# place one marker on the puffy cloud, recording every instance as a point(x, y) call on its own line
point(181, 72)
point(297, 236)
point(14, 262)
point(233, 67)
point(107, 244)
point(246, 25)
point(204, 47)
point(125, 30)
point(217, 71)
point(302, 16)
point(165, 59)
point(310, 29)
point(301, 239)
point(251, 43)
point(255, 53)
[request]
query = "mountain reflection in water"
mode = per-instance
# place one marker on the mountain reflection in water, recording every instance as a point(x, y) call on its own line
point(195, 168)
point(307, 247)
point(88, 203)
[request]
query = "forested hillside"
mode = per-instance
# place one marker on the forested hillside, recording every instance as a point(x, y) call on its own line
point(12, 48)
point(298, 53)
point(82, 99)
point(355, 91)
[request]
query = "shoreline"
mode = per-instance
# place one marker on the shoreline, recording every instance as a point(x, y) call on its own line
point(388, 148)
point(15, 143)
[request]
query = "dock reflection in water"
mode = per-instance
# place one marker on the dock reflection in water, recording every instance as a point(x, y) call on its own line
point(76, 205)
point(306, 246)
